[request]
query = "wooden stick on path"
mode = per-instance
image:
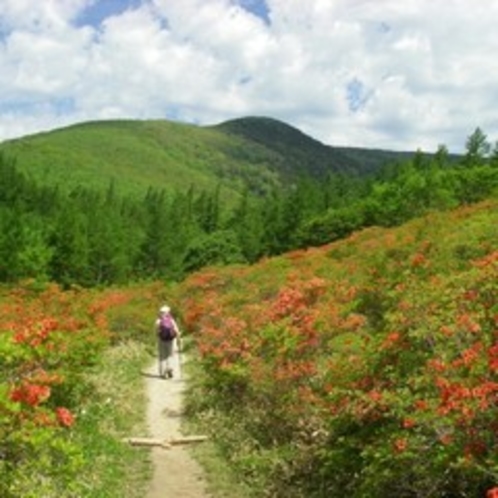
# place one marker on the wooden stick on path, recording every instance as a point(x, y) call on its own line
point(164, 443)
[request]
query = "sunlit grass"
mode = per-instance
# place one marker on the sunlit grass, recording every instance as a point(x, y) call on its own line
point(222, 480)
point(115, 411)
point(134, 156)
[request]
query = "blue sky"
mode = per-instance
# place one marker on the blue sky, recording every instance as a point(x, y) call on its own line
point(394, 74)
point(97, 12)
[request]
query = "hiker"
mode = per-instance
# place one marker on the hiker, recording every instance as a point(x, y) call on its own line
point(167, 331)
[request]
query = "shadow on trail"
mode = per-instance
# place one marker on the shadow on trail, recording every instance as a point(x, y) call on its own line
point(150, 375)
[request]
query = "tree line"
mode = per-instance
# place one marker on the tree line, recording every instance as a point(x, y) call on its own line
point(88, 238)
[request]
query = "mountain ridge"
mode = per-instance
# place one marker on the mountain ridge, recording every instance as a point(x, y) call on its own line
point(255, 153)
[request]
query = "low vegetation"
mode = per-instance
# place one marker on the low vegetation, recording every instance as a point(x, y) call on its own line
point(364, 368)
point(71, 391)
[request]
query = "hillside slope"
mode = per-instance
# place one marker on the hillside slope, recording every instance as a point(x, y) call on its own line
point(135, 155)
point(297, 153)
point(257, 153)
point(367, 367)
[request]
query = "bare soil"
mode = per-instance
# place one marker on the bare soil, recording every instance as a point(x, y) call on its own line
point(176, 473)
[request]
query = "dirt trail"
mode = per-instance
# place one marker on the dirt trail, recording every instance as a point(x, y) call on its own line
point(176, 473)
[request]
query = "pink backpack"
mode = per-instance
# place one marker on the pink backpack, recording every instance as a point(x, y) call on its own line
point(167, 331)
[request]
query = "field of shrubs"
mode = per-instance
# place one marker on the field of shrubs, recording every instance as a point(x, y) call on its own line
point(67, 359)
point(364, 368)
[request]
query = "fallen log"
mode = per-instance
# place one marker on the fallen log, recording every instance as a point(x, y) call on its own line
point(147, 441)
point(164, 443)
point(187, 440)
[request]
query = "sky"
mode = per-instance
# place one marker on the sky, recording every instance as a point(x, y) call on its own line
point(388, 74)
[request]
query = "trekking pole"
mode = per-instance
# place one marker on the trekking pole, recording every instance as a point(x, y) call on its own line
point(159, 362)
point(179, 349)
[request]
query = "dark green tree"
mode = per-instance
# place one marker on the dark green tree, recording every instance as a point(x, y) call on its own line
point(216, 248)
point(24, 251)
point(246, 221)
point(69, 240)
point(494, 156)
point(477, 149)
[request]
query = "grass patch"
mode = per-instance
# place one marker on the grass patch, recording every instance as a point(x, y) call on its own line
point(117, 409)
point(222, 481)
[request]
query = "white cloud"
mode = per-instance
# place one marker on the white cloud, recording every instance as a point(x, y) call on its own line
point(383, 73)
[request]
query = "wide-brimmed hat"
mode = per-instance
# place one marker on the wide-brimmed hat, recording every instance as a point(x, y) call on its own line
point(164, 309)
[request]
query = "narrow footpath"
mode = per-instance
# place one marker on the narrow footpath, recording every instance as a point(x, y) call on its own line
point(176, 473)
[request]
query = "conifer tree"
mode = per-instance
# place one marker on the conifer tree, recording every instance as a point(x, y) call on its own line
point(70, 243)
point(24, 252)
point(477, 149)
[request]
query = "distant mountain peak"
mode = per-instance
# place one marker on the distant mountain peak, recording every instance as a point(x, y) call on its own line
point(259, 126)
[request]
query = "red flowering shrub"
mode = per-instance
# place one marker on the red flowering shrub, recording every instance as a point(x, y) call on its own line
point(369, 365)
point(64, 416)
point(48, 339)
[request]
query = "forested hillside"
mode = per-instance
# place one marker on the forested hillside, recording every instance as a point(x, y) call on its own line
point(253, 154)
point(298, 154)
point(49, 232)
point(137, 155)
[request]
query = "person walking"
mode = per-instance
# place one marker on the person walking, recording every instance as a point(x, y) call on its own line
point(167, 332)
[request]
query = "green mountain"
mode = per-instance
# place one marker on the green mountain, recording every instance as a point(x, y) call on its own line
point(255, 152)
point(297, 153)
